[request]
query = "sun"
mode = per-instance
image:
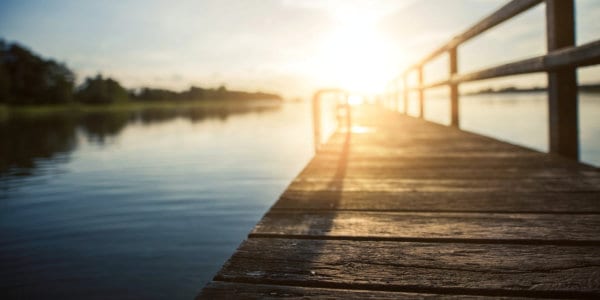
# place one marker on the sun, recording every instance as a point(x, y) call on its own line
point(356, 55)
point(355, 100)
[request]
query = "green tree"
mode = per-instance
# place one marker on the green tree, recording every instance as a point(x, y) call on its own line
point(98, 90)
point(4, 85)
point(4, 76)
point(60, 82)
point(31, 79)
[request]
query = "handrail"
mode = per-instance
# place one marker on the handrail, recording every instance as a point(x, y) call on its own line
point(506, 12)
point(560, 62)
point(316, 108)
point(581, 56)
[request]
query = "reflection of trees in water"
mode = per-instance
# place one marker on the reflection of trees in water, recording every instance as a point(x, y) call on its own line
point(198, 114)
point(98, 126)
point(28, 138)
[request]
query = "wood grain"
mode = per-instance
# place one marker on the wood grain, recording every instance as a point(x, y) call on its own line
point(518, 270)
point(234, 290)
point(464, 227)
point(463, 201)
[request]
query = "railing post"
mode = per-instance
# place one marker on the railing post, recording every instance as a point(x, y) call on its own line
point(562, 84)
point(348, 113)
point(406, 92)
point(454, 117)
point(387, 96)
point(391, 101)
point(421, 96)
point(316, 103)
point(397, 96)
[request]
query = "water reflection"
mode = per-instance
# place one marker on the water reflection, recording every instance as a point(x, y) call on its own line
point(138, 203)
point(24, 140)
point(520, 118)
point(99, 126)
point(28, 137)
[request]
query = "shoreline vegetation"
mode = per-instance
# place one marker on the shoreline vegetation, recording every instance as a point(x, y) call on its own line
point(30, 82)
point(75, 108)
point(585, 88)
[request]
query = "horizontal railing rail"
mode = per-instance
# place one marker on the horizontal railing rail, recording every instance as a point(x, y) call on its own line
point(503, 14)
point(560, 63)
point(581, 56)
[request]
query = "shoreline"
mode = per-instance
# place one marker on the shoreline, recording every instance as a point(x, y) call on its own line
point(79, 108)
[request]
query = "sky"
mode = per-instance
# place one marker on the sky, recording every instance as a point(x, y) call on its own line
point(290, 47)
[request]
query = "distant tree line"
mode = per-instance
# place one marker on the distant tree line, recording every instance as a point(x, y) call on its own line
point(28, 79)
point(198, 93)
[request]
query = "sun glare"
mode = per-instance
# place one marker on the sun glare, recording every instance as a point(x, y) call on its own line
point(355, 100)
point(355, 54)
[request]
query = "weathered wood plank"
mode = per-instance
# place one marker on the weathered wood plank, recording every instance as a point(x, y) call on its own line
point(504, 13)
point(412, 151)
point(316, 184)
point(453, 69)
point(400, 156)
point(234, 290)
point(584, 55)
point(409, 131)
point(504, 201)
point(515, 270)
point(415, 142)
point(365, 172)
point(405, 93)
point(562, 83)
point(421, 97)
point(473, 227)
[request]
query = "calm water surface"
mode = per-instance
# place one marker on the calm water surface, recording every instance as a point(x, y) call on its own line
point(519, 118)
point(148, 205)
point(142, 206)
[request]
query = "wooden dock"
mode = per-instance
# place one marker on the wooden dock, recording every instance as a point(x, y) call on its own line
point(401, 208)
point(404, 208)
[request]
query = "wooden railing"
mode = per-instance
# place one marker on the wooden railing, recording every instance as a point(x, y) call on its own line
point(561, 63)
point(342, 112)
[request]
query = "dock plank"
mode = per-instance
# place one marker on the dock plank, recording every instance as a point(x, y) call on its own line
point(465, 227)
point(485, 269)
point(463, 201)
point(231, 290)
point(446, 185)
point(372, 172)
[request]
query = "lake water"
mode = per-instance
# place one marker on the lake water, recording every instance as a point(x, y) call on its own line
point(140, 206)
point(518, 118)
point(149, 204)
